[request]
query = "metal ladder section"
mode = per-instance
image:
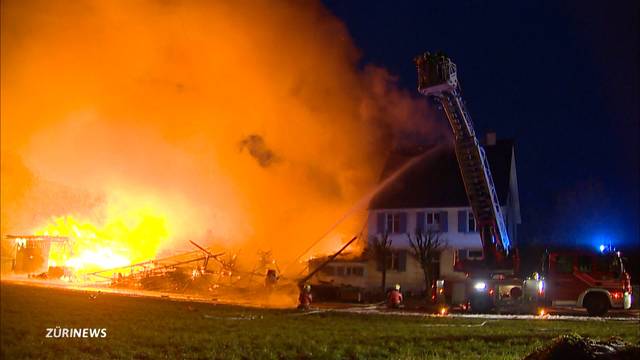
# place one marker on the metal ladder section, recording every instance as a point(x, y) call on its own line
point(476, 176)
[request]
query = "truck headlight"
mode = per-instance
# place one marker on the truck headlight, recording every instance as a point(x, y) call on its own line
point(480, 285)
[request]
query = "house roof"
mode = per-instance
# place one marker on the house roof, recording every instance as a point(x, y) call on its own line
point(435, 180)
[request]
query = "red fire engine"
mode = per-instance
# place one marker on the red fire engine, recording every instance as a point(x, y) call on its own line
point(595, 281)
point(571, 277)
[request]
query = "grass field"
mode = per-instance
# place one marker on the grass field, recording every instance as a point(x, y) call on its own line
point(150, 328)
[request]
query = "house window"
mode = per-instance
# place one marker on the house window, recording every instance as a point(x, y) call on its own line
point(328, 270)
point(350, 271)
point(474, 254)
point(397, 261)
point(357, 271)
point(436, 221)
point(393, 222)
point(470, 254)
point(433, 220)
point(471, 222)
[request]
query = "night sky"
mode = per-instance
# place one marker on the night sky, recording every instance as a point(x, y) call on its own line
point(561, 78)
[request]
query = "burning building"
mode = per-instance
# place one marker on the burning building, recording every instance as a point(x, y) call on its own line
point(141, 129)
point(31, 252)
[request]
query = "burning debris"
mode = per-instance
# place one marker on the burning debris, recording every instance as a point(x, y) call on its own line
point(122, 239)
point(202, 272)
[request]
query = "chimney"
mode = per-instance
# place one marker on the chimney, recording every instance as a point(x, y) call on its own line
point(490, 139)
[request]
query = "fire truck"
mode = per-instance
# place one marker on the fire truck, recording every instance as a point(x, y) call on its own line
point(569, 277)
point(594, 280)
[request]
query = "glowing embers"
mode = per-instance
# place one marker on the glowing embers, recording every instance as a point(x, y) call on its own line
point(100, 257)
point(123, 238)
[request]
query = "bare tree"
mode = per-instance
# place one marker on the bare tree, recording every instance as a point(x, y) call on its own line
point(426, 245)
point(381, 245)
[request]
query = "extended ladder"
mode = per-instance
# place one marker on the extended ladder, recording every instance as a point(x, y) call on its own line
point(437, 78)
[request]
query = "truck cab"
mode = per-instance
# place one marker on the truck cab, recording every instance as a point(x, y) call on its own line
point(593, 280)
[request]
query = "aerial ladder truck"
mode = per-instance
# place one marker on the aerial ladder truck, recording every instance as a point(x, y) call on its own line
point(576, 278)
point(438, 80)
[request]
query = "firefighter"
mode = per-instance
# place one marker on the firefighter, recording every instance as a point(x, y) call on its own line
point(305, 298)
point(394, 299)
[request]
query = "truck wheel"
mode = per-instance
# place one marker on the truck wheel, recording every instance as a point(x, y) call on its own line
point(596, 304)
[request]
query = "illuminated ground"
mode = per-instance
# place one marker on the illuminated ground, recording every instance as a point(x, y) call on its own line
point(147, 327)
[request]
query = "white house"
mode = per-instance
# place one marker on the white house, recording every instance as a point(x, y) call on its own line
point(429, 194)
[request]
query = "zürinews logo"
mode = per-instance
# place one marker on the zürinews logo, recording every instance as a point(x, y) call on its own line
point(60, 332)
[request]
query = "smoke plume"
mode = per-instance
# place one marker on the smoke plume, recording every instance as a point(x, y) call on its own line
point(244, 124)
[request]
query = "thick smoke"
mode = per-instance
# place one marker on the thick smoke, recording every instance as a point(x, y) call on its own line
point(245, 124)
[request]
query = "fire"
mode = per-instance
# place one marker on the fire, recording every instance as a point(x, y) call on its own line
point(103, 258)
point(126, 236)
point(333, 243)
point(161, 96)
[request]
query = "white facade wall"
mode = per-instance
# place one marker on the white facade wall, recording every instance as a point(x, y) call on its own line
point(455, 238)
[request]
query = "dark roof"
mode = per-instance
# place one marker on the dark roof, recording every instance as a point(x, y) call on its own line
point(435, 180)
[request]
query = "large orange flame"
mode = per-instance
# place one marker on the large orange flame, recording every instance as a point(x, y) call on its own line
point(249, 124)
